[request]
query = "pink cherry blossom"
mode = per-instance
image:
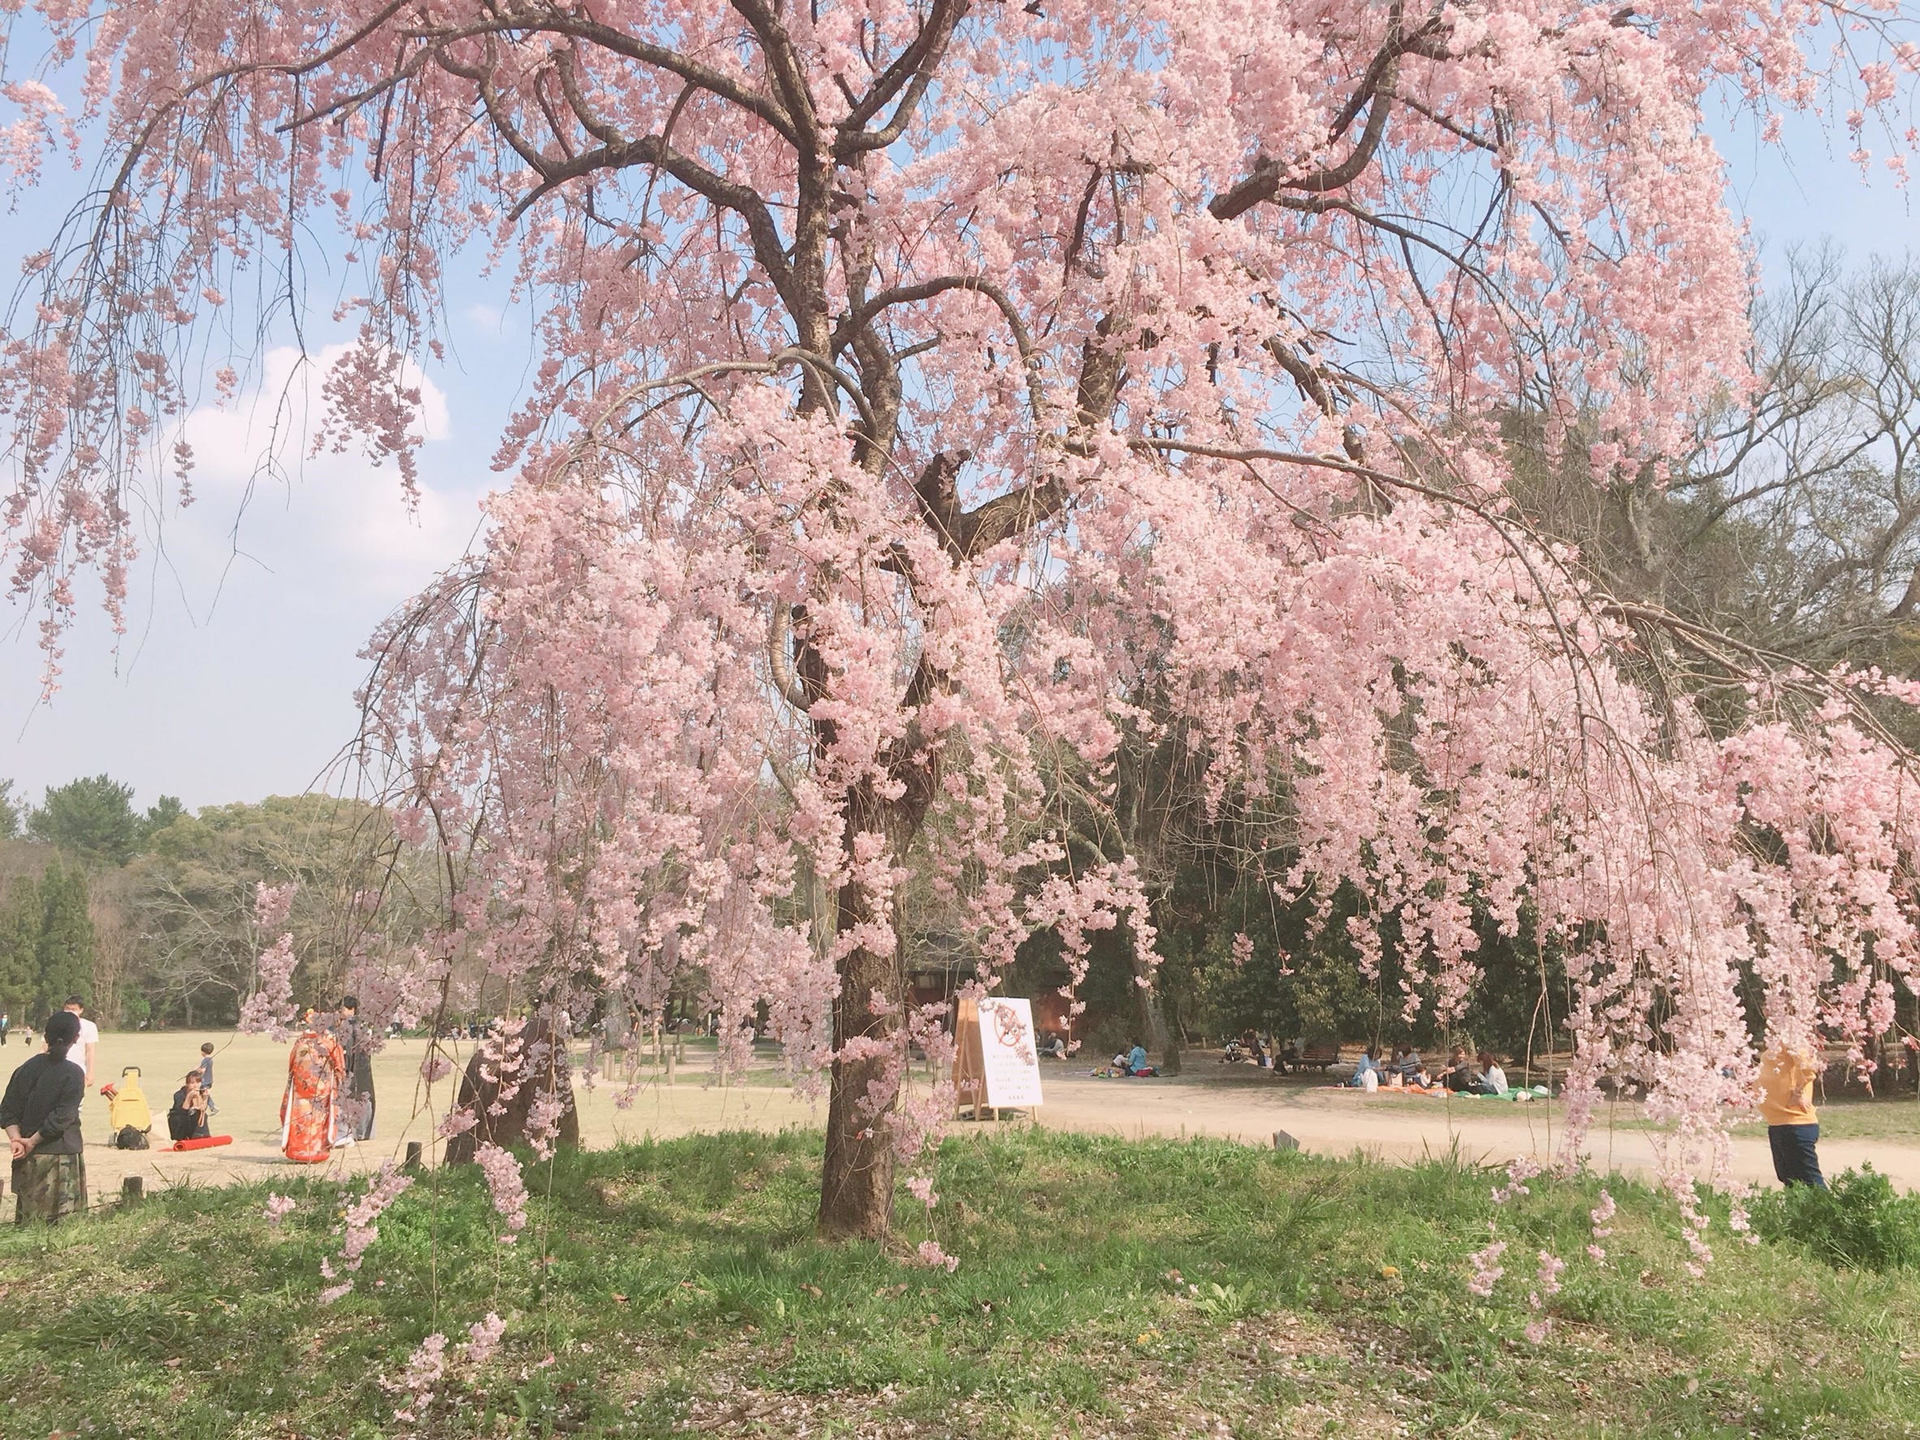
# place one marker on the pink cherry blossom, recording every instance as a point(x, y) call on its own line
point(509, 1191)
point(927, 398)
point(1486, 1268)
point(931, 1255)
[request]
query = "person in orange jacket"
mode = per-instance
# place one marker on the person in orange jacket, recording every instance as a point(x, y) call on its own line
point(1787, 1073)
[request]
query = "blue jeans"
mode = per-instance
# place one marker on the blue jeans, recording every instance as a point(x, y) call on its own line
point(1794, 1160)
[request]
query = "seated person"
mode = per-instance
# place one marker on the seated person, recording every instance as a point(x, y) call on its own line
point(1408, 1065)
point(1137, 1062)
point(1493, 1080)
point(187, 1120)
point(1459, 1074)
point(1288, 1057)
point(1054, 1045)
point(1367, 1064)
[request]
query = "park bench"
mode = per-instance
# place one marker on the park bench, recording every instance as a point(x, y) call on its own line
point(1319, 1055)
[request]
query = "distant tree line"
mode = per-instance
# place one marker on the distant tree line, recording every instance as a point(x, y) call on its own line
point(47, 947)
point(149, 914)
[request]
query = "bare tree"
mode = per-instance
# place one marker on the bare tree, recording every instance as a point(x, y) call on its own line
point(1790, 522)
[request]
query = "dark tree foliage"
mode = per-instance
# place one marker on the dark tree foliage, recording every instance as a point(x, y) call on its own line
point(20, 922)
point(65, 948)
point(92, 819)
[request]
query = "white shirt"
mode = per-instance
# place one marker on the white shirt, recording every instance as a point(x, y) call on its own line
point(1496, 1078)
point(89, 1037)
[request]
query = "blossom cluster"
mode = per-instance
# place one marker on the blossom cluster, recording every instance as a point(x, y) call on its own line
point(505, 1185)
point(880, 480)
point(360, 1228)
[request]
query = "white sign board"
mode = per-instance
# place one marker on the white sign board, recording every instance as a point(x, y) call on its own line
point(1008, 1060)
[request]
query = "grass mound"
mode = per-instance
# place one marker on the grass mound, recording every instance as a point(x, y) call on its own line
point(1861, 1222)
point(1105, 1288)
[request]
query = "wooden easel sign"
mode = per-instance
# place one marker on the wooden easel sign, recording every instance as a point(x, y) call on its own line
point(995, 1064)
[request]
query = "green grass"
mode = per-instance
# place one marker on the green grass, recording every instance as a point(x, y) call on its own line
point(1854, 1117)
point(1890, 1120)
point(1107, 1287)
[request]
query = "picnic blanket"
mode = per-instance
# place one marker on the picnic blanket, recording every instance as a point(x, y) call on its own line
point(205, 1142)
point(1537, 1092)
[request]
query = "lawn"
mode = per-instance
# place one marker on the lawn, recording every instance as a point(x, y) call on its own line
point(1894, 1120)
point(1105, 1287)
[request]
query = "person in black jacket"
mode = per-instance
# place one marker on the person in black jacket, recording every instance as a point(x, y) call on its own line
point(356, 1043)
point(41, 1116)
point(187, 1120)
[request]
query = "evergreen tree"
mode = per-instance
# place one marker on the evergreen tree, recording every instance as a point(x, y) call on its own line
point(65, 950)
point(92, 818)
point(20, 920)
point(162, 813)
point(10, 818)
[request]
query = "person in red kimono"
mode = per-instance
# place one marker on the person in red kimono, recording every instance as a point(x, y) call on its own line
point(316, 1070)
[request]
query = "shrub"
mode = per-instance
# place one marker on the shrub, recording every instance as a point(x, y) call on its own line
point(1862, 1222)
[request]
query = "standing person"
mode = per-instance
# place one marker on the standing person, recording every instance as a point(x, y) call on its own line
point(6, 1024)
point(41, 1116)
point(316, 1069)
point(1787, 1073)
point(357, 1044)
point(89, 1040)
point(206, 1075)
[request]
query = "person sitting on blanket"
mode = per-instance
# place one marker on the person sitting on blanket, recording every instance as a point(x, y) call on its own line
point(187, 1120)
point(1408, 1065)
point(1493, 1080)
point(1367, 1064)
point(1134, 1062)
point(1459, 1074)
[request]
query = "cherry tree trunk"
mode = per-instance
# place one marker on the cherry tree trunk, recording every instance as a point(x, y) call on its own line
point(856, 1181)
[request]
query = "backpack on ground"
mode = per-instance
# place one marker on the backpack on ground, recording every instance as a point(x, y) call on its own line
point(130, 1137)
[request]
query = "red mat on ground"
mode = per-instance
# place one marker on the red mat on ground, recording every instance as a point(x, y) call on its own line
point(203, 1143)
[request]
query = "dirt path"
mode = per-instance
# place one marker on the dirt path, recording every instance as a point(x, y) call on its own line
point(1237, 1103)
point(1336, 1121)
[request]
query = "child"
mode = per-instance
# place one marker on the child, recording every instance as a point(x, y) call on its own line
point(206, 1075)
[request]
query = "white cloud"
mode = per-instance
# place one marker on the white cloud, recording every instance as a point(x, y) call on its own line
point(250, 606)
point(261, 492)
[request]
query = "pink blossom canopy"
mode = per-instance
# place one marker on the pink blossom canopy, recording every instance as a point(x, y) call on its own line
point(917, 375)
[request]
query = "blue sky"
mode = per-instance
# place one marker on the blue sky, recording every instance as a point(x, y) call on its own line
point(236, 678)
